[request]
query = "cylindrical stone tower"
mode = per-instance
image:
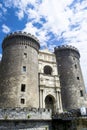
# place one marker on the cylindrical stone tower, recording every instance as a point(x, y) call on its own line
point(71, 80)
point(19, 71)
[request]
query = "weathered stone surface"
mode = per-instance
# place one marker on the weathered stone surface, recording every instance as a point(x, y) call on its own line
point(71, 79)
point(25, 114)
point(26, 125)
point(19, 50)
point(49, 81)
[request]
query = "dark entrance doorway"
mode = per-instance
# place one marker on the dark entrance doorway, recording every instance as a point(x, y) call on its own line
point(49, 102)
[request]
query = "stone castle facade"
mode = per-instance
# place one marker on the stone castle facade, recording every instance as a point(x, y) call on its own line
point(50, 90)
point(32, 78)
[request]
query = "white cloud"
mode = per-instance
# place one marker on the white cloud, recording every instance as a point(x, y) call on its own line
point(20, 14)
point(3, 10)
point(5, 28)
point(21, 5)
point(0, 5)
point(29, 28)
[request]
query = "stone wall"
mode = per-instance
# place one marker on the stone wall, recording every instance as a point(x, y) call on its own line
point(19, 71)
point(74, 124)
point(71, 80)
point(49, 81)
point(40, 119)
point(25, 119)
point(26, 125)
point(25, 114)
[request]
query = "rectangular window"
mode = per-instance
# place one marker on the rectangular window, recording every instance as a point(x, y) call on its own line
point(81, 93)
point(23, 86)
point(25, 46)
point(73, 58)
point(22, 100)
point(78, 78)
point(75, 66)
point(24, 68)
point(25, 55)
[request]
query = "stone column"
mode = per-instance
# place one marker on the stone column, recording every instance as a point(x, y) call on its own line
point(60, 102)
point(57, 99)
point(41, 98)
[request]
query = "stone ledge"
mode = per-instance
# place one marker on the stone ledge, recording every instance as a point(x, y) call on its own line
point(25, 114)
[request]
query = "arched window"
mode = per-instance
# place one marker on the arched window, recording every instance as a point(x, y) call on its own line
point(47, 70)
point(49, 102)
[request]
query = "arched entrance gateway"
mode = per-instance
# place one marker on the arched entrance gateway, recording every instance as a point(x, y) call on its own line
point(50, 102)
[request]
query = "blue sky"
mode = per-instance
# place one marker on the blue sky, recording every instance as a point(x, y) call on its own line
point(53, 22)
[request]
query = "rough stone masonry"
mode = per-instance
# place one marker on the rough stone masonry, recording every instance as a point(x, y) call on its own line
point(35, 85)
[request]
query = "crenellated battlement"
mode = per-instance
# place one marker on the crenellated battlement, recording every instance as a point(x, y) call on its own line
point(21, 33)
point(22, 38)
point(25, 114)
point(64, 47)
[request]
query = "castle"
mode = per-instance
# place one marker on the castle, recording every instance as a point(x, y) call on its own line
point(38, 80)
